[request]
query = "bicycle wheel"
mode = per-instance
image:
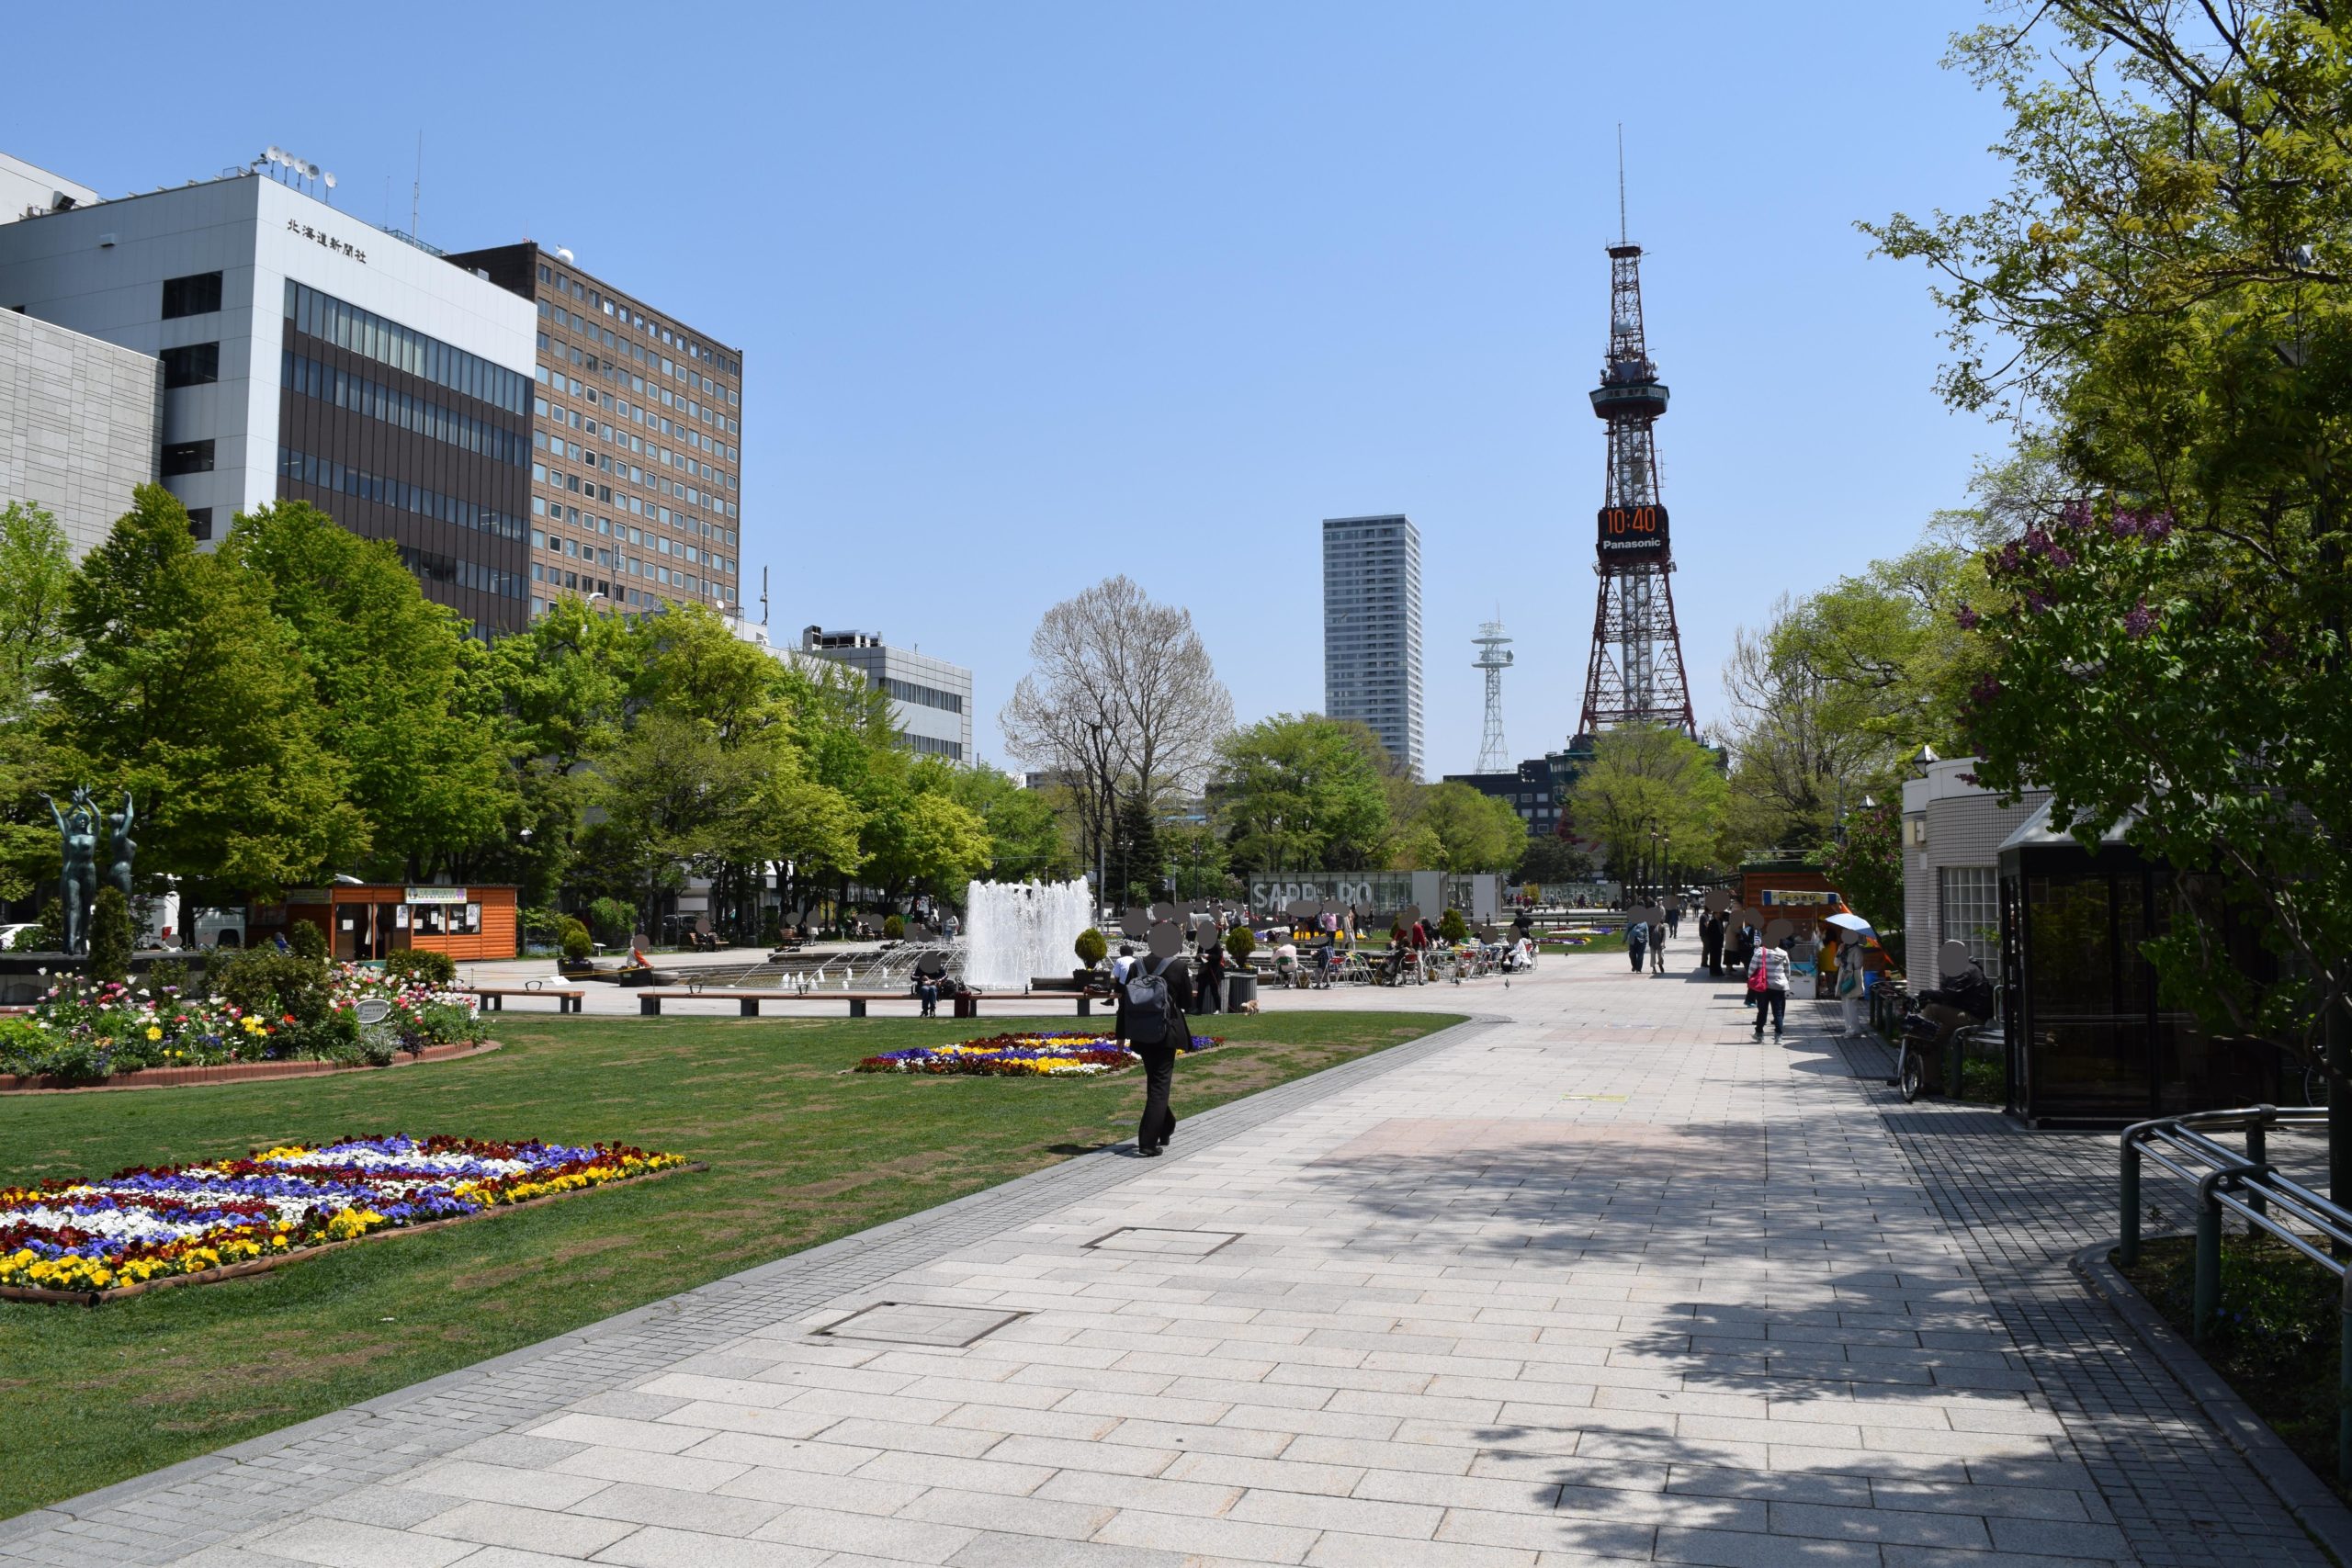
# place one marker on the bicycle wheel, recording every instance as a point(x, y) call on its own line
point(1913, 1074)
point(2315, 1086)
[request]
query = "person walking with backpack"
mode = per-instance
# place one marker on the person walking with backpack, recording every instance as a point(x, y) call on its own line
point(1637, 939)
point(1152, 1024)
point(1768, 987)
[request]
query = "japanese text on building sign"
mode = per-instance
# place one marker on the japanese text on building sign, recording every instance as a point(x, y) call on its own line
point(321, 237)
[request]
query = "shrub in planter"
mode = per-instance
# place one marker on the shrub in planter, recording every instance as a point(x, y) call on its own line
point(574, 938)
point(1452, 927)
point(894, 929)
point(290, 992)
point(1241, 941)
point(1091, 948)
point(410, 964)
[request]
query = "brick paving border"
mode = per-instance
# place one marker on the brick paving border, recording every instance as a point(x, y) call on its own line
point(184, 1508)
point(2023, 1204)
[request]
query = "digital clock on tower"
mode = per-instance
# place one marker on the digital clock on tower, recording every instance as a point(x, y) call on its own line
point(1632, 530)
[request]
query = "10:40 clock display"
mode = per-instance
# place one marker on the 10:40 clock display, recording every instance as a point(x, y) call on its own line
point(1632, 530)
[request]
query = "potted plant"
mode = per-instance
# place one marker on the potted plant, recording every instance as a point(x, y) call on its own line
point(1091, 949)
point(578, 948)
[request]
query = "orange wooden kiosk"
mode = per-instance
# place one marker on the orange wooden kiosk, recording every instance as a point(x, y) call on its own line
point(365, 920)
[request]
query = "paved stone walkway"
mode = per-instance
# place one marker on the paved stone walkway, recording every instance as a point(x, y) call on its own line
point(1600, 1282)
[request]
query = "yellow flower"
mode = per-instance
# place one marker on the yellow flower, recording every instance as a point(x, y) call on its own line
point(153, 1032)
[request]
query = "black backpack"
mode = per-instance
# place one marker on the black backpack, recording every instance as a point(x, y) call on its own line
point(1152, 1009)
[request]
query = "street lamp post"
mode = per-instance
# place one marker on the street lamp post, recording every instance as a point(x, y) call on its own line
point(1101, 812)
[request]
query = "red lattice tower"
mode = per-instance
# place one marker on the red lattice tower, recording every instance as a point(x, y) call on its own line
point(1635, 675)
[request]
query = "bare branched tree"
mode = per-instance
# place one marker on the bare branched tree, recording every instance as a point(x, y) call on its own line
point(1121, 698)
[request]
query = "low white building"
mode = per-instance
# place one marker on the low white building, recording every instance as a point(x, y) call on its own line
point(931, 700)
point(1953, 833)
point(80, 423)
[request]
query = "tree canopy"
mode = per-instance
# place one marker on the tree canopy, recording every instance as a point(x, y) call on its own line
point(2156, 301)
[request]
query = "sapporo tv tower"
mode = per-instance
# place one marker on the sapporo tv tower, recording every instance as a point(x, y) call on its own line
point(1635, 675)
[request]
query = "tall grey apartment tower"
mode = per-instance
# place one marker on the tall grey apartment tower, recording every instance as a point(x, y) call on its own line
point(1372, 630)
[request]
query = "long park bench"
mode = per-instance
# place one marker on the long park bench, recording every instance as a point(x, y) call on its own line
point(966, 1003)
point(493, 998)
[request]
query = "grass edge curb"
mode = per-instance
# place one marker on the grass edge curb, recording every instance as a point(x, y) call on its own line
point(2303, 1494)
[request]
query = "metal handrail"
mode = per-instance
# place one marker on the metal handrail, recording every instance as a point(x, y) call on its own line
point(2249, 1186)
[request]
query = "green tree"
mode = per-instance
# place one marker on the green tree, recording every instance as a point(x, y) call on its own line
point(1025, 836)
point(36, 570)
point(932, 843)
point(1866, 866)
point(1474, 831)
point(556, 693)
point(673, 800)
point(1554, 859)
point(426, 771)
point(35, 574)
point(186, 690)
point(1304, 792)
point(1643, 777)
point(1840, 686)
point(2162, 282)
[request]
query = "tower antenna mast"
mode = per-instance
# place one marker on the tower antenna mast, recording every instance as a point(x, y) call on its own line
point(1621, 182)
point(1494, 657)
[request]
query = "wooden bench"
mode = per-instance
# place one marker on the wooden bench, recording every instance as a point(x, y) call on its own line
point(493, 998)
point(966, 1004)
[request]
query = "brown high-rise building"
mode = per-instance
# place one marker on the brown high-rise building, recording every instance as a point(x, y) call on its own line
point(637, 443)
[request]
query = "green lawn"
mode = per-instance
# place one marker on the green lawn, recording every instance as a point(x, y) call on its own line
point(801, 1151)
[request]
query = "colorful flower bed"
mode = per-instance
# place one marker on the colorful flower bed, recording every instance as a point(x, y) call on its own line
point(271, 1009)
point(1054, 1054)
point(152, 1223)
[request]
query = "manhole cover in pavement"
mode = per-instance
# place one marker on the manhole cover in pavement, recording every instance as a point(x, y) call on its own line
point(1165, 1243)
point(921, 1323)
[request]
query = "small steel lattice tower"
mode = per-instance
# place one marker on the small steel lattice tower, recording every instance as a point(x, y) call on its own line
point(1635, 675)
point(1494, 657)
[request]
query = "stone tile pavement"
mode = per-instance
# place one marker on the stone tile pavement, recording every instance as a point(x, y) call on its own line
point(1598, 1280)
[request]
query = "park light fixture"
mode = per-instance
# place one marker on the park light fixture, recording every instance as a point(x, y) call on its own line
point(1923, 759)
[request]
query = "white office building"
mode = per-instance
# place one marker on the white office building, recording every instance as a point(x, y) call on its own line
point(27, 191)
point(308, 354)
point(1372, 630)
point(931, 700)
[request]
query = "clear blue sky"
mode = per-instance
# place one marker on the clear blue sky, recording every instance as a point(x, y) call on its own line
point(1031, 293)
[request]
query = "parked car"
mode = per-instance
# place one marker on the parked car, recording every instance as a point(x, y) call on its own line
point(8, 934)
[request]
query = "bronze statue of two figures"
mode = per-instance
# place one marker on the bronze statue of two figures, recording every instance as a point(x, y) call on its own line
point(81, 825)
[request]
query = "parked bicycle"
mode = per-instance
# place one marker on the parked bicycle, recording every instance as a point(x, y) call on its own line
point(1919, 1055)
